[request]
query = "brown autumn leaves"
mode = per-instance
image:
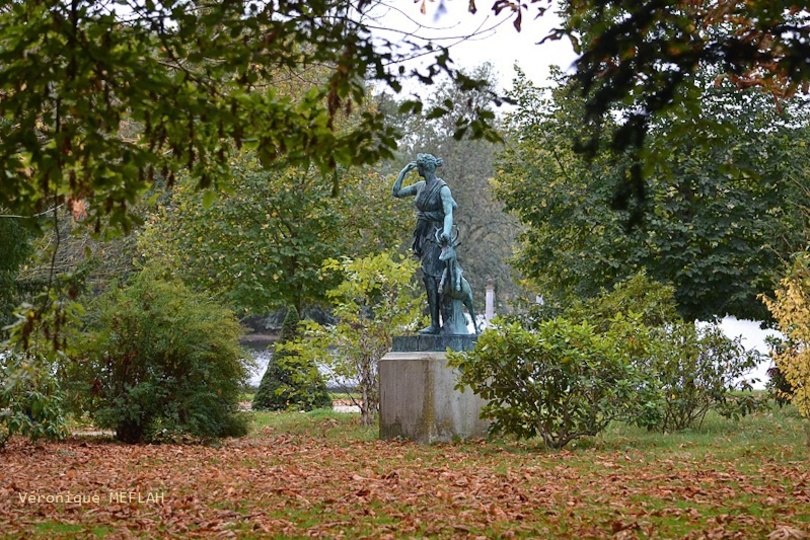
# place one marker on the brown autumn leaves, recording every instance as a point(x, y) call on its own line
point(276, 484)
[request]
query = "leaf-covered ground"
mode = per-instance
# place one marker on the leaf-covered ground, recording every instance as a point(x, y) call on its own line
point(330, 479)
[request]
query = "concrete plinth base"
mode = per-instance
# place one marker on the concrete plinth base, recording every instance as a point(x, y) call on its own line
point(418, 400)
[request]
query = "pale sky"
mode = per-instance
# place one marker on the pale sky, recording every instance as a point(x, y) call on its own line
point(497, 41)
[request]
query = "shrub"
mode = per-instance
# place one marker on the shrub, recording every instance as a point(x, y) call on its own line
point(560, 381)
point(689, 370)
point(564, 377)
point(30, 398)
point(697, 368)
point(161, 362)
point(791, 309)
point(290, 381)
point(778, 387)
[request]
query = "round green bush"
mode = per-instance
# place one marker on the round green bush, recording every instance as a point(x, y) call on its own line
point(162, 362)
point(560, 381)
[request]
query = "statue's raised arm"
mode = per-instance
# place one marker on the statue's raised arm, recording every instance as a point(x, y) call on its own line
point(409, 191)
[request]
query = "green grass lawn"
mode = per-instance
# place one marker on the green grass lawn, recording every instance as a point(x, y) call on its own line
point(321, 474)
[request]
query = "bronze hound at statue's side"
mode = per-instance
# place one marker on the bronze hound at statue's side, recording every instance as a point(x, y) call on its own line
point(452, 285)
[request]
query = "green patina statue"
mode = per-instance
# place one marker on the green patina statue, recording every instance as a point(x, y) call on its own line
point(446, 289)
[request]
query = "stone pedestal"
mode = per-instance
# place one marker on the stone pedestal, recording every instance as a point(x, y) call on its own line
point(418, 399)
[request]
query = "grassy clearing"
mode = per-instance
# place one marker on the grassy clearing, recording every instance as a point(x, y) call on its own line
point(321, 474)
point(341, 428)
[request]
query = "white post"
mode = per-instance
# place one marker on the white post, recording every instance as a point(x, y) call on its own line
point(489, 310)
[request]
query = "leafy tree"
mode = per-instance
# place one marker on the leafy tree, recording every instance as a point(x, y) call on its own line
point(790, 309)
point(261, 245)
point(290, 382)
point(640, 58)
point(720, 218)
point(160, 362)
point(104, 96)
point(99, 99)
point(555, 194)
point(376, 299)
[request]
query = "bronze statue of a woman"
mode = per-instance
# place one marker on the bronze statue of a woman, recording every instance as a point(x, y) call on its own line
point(434, 205)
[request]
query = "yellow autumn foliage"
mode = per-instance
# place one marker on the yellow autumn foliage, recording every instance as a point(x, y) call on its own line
point(791, 309)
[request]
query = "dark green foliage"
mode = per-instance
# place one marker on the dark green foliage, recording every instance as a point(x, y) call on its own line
point(30, 397)
point(697, 368)
point(160, 362)
point(290, 381)
point(623, 354)
point(15, 248)
point(113, 98)
point(721, 211)
point(261, 245)
point(779, 388)
point(561, 381)
point(639, 60)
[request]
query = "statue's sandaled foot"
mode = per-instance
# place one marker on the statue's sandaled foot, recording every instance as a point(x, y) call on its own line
point(432, 329)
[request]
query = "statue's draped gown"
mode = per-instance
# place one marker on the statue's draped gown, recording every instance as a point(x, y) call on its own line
point(429, 219)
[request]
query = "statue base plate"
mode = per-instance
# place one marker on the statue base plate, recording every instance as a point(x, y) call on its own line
point(433, 342)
